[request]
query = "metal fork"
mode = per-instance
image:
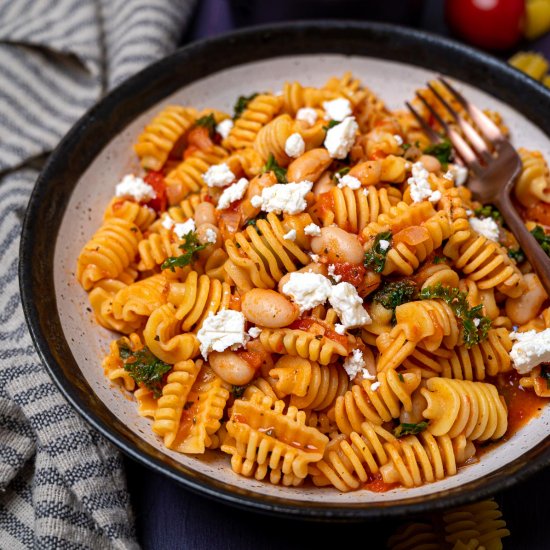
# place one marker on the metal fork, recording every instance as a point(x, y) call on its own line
point(494, 163)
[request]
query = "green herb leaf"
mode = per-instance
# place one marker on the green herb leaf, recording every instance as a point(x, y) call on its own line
point(272, 166)
point(254, 221)
point(241, 104)
point(489, 211)
point(395, 293)
point(238, 391)
point(542, 238)
point(442, 151)
point(545, 373)
point(439, 260)
point(516, 254)
point(144, 367)
point(189, 247)
point(208, 122)
point(331, 124)
point(475, 325)
point(406, 146)
point(341, 173)
point(410, 429)
point(375, 258)
point(401, 377)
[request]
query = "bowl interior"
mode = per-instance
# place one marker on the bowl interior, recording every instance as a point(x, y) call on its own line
point(88, 342)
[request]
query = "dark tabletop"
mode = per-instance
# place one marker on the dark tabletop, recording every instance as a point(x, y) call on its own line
point(169, 517)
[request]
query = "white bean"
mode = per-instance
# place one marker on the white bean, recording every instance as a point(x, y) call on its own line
point(522, 309)
point(205, 213)
point(268, 308)
point(231, 368)
point(338, 246)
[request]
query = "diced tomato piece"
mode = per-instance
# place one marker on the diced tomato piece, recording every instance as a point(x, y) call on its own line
point(156, 181)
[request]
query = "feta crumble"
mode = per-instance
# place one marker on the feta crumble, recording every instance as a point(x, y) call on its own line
point(398, 139)
point(337, 109)
point(314, 257)
point(486, 227)
point(312, 229)
point(224, 127)
point(531, 349)
point(307, 290)
point(223, 330)
point(348, 181)
point(307, 114)
point(339, 329)
point(295, 145)
point(340, 138)
point(375, 386)
point(210, 236)
point(456, 173)
point(367, 375)
point(232, 193)
point(354, 363)
point(254, 332)
point(383, 244)
point(420, 186)
point(181, 229)
point(283, 197)
point(348, 305)
point(290, 236)
point(168, 222)
point(218, 175)
point(132, 186)
point(365, 192)
point(336, 278)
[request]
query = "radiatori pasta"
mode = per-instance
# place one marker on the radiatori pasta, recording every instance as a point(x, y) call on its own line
point(307, 287)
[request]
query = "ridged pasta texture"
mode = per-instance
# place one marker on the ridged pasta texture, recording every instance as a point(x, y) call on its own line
point(309, 291)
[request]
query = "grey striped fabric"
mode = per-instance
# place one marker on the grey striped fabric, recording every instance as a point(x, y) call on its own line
point(61, 484)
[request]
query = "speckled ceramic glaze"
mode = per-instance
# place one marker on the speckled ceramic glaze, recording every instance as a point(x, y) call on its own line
point(68, 202)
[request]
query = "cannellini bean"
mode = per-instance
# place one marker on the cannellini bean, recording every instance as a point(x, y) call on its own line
point(380, 315)
point(521, 309)
point(205, 213)
point(430, 163)
point(309, 166)
point(320, 269)
point(268, 308)
point(338, 246)
point(368, 173)
point(323, 184)
point(231, 368)
point(203, 234)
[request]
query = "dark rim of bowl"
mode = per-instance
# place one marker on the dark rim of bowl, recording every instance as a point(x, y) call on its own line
point(114, 112)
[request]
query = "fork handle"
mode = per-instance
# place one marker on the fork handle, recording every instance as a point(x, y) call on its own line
point(533, 251)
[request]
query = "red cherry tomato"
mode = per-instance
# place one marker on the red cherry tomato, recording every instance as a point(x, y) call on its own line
point(490, 24)
point(156, 181)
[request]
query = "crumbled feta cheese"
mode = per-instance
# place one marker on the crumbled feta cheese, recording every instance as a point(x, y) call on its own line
point(210, 235)
point(531, 349)
point(486, 227)
point(290, 236)
point(307, 114)
point(420, 186)
point(398, 139)
point(349, 305)
point(354, 363)
point(477, 322)
point(383, 244)
point(295, 145)
point(435, 196)
point(348, 181)
point(181, 229)
point(168, 222)
point(223, 330)
point(469, 212)
point(218, 175)
point(339, 329)
point(337, 109)
point(340, 138)
point(307, 290)
point(314, 257)
point(367, 375)
point(283, 197)
point(365, 192)
point(132, 186)
point(232, 193)
point(457, 173)
point(336, 278)
point(375, 386)
point(312, 229)
point(254, 332)
point(224, 127)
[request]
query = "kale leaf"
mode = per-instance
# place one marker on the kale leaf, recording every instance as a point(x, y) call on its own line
point(241, 104)
point(375, 257)
point(395, 293)
point(208, 122)
point(442, 151)
point(542, 238)
point(489, 211)
point(189, 247)
point(410, 429)
point(272, 166)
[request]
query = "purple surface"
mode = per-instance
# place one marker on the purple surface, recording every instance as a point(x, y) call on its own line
point(169, 517)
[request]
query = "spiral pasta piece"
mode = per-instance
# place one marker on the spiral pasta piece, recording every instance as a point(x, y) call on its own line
point(109, 252)
point(139, 214)
point(154, 249)
point(303, 344)
point(310, 386)
point(196, 298)
point(416, 536)
point(295, 97)
point(259, 256)
point(101, 301)
point(533, 183)
point(112, 364)
point(461, 407)
point(271, 139)
point(383, 403)
point(259, 111)
point(245, 162)
point(348, 86)
point(159, 137)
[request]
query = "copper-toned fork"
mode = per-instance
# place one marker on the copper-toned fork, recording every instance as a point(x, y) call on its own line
point(494, 163)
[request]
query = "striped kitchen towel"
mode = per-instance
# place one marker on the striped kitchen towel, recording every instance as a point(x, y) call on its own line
point(61, 484)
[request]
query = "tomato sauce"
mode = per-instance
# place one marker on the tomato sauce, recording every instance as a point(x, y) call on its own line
point(377, 485)
point(310, 324)
point(156, 181)
point(324, 204)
